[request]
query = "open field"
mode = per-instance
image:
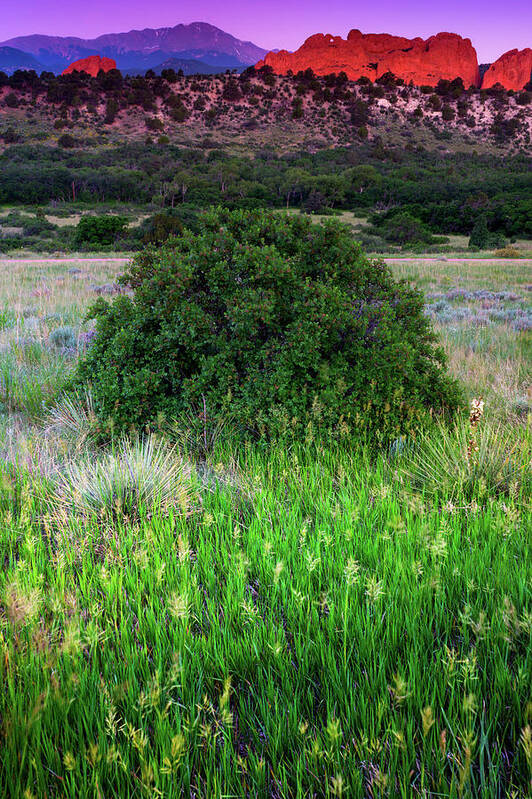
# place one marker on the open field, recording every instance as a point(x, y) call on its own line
point(302, 623)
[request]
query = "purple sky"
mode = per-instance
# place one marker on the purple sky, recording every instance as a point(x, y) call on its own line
point(493, 26)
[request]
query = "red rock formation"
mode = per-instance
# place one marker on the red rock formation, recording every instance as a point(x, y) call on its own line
point(92, 65)
point(423, 62)
point(512, 70)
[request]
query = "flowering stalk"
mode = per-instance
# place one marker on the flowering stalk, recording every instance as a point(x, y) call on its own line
point(475, 415)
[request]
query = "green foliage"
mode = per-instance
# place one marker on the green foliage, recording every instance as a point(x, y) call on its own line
point(443, 194)
point(154, 123)
point(448, 113)
point(31, 379)
point(38, 225)
point(404, 229)
point(102, 229)
point(280, 321)
point(67, 141)
point(160, 227)
point(480, 234)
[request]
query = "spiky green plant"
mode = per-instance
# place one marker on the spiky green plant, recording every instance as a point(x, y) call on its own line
point(446, 463)
point(198, 432)
point(132, 479)
point(74, 416)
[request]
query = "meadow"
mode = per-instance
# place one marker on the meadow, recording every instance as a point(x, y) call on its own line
point(184, 616)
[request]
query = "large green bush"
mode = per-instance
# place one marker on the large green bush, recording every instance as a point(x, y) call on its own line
point(404, 229)
point(281, 322)
point(102, 229)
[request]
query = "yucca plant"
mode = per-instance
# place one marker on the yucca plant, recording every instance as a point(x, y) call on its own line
point(469, 460)
point(74, 416)
point(134, 479)
point(198, 432)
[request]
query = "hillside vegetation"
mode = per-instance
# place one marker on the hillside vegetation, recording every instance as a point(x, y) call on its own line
point(414, 165)
point(327, 110)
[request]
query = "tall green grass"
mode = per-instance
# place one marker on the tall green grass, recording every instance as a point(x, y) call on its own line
point(313, 629)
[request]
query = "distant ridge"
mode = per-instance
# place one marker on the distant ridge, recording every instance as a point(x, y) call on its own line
point(143, 49)
point(12, 59)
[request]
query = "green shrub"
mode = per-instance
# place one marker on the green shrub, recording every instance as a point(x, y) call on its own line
point(67, 141)
point(282, 322)
point(481, 238)
point(38, 226)
point(448, 113)
point(12, 100)
point(403, 228)
point(64, 338)
point(73, 417)
point(160, 227)
point(99, 229)
point(480, 234)
point(154, 123)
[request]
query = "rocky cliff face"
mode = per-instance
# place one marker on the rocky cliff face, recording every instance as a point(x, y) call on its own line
point(92, 65)
point(512, 70)
point(418, 61)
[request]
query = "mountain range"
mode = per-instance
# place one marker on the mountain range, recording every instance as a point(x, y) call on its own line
point(135, 51)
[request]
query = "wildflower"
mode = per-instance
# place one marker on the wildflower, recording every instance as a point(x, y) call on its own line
point(183, 549)
point(334, 731)
point(475, 415)
point(399, 740)
point(93, 755)
point(470, 704)
point(313, 561)
point(399, 689)
point(277, 648)
point(469, 742)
